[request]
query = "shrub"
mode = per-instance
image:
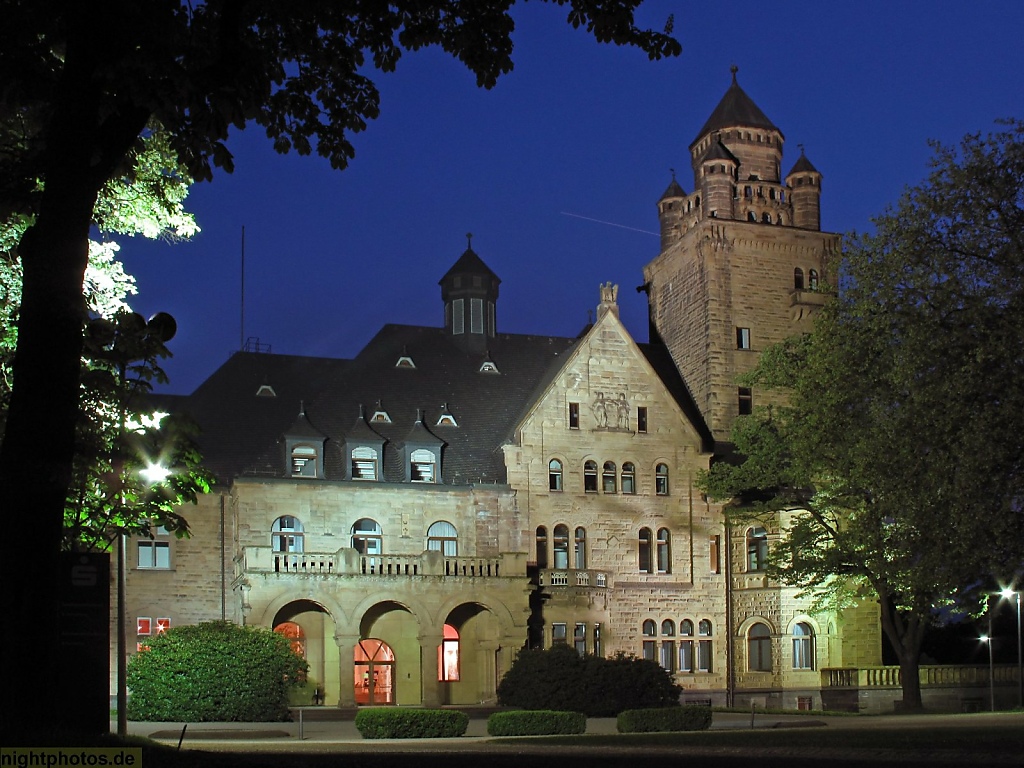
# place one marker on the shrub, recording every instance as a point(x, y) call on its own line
point(688, 717)
point(214, 671)
point(562, 680)
point(395, 723)
point(535, 722)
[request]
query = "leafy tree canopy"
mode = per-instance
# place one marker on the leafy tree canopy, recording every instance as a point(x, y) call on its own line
point(903, 439)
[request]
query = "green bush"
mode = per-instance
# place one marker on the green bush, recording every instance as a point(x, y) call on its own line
point(396, 723)
point(688, 717)
point(215, 671)
point(562, 680)
point(535, 722)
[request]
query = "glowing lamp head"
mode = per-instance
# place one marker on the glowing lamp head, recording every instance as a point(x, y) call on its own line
point(154, 473)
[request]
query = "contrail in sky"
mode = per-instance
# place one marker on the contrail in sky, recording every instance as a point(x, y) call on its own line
point(610, 223)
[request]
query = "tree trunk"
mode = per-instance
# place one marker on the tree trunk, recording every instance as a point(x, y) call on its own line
point(906, 634)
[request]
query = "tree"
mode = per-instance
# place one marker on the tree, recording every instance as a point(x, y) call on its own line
point(81, 84)
point(901, 444)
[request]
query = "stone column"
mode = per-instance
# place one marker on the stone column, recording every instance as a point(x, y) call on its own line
point(486, 664)
point(346, 668)
point(429, 641)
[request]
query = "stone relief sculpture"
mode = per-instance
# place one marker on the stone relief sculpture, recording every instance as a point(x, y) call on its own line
point(611, 412)
point(609, 293)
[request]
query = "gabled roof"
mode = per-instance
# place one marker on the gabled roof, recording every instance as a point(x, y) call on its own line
point(735, 110)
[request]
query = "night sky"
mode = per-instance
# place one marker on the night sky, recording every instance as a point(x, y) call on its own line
point(558, 169)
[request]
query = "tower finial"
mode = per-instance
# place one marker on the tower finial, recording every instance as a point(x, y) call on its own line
point(734, 69)
point(469, 241)
point(801, 149)
point(673, 170)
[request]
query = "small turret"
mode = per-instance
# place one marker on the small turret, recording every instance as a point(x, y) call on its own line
point(718, 179)
point(470, 292)
point(670, 210)
point(804, 184)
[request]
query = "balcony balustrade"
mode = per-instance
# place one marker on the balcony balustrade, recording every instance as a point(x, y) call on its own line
point(349, 562)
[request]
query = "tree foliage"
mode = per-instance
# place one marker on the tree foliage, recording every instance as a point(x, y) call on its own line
point(903, 439)
point(214, 671)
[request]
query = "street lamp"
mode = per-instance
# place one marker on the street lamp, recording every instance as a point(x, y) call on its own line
point(987, 639)
point(1007, 593)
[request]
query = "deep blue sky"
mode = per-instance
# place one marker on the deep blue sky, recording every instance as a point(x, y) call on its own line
point(577, 128)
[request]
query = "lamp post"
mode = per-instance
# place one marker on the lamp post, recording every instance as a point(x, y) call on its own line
point(1007, 594)
point(987, 639)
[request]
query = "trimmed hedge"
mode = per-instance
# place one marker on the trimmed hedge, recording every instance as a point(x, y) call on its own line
point(536, 722)
point(688, 717)
point(396, 723)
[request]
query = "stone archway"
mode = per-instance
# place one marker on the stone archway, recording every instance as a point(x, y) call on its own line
point(311, 628)
point(374, 672)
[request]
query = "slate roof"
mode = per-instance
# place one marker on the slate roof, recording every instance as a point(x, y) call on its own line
point(736, 109)
point(674, 190)
point(469, 263)
point(802, 165)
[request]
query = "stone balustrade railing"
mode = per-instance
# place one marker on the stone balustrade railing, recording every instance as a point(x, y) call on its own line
point(931, 675)
point(573, 577)
point(349, 562)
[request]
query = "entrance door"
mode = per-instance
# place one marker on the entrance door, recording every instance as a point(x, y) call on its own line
point(374, 664)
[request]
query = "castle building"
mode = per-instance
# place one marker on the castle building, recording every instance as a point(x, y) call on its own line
point(414, 516)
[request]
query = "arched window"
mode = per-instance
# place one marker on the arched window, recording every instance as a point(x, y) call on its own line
point(364, 463)
point(798, 279)
point(686, 646)
point(542, 547)
point(668, 628)
point(628, 477)
point(423, 466)
point(803, 646)
point(304, 461)
point(286, 534)
point(668, 647)
point(645, 550)
point(442, 537)
point(812, 280)
point(560, 542)
point(448, 655)
point(590, 477)
point(649, 630)
point(608, 480)
point(751, 216)
point(366, 537)
point(757, 548)
point(554, 475)
point(759, 648)
point(661, 480)
point(664, 551)
point(580, 551)
point(704, 655)
point(766, 218)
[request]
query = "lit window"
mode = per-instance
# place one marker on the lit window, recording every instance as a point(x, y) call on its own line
point(574, 415)
point(664, 551)
point(286, 534)
point(628, 477)
point(759, 648)
point(704, 646)
point(714, 562)
point(560, 543)
point(746, 401)
point(448, 655)
point(422, 466)
point(590, 477)
point(608, 477)
point(364, 463)
point(661, 480)
point(742, 338)
point(366, 537)
point(442, 537)
point(757, 549)
point(803, 646)
point(554, 475)
point(542, 546)
point(304, 459)
point(580, 549)
point(641, 419)
point(644, 552)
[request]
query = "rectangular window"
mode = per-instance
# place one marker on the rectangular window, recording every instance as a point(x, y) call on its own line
point(597, 639)
point(558, 633)
point(650, 649)
point(742, 338)
point(458, 316)
point(491, 321)
point(668, 655)
point(703, 655)
point(641, 419)
point(713, 546)
point(154, 554)
point(579, 638)
point(686, 655)
point(746, 401)
point(574, 415)
point(476, 315)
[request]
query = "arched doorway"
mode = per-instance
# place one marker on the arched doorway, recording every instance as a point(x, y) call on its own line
point(374, 665)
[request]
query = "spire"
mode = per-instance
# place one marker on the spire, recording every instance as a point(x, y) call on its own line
point(735, 110)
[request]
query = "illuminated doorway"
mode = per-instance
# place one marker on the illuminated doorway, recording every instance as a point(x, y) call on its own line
point(374, 664)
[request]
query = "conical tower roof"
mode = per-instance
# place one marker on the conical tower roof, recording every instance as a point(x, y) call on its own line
point(803, 165)
point(736, 109)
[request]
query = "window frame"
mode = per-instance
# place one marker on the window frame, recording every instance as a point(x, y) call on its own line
point(443, 539)
point(661, 486)
point(590, 483)
point(555, 476)
point(759, 648)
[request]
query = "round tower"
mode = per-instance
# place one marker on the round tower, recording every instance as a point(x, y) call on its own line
point(718, 170)
point(804, 184)
point(671, 207)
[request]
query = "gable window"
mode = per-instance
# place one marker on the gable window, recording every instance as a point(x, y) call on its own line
point(798, 279)
point(155, 552)
point(590, 477)
point(423, 464)
point(746, 401)
point(641, 418)
point(574, 415)
point(560, 543)
point(759, 648)
point(366, 537)
point(664, 551)
point(554, 475)
point(364, 463)
point(661, 480)
point(542, 546)
point(704, 646)
point(304, 461)
point(286, 534)
point(580, 549)
point(757, 548)
point(644, 551)
point(442, 537)
point(628, 477)
point(803, 646)
point(686, 646)
point(608, 477)
point(742, 338)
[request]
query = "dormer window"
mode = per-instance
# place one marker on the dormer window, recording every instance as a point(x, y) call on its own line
point(488, 366)
point(266, 390)
point(365, 462)
point(423, 466)
point(446, 419)
point(405, 361)
point(304, 461)
point(380, 416)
